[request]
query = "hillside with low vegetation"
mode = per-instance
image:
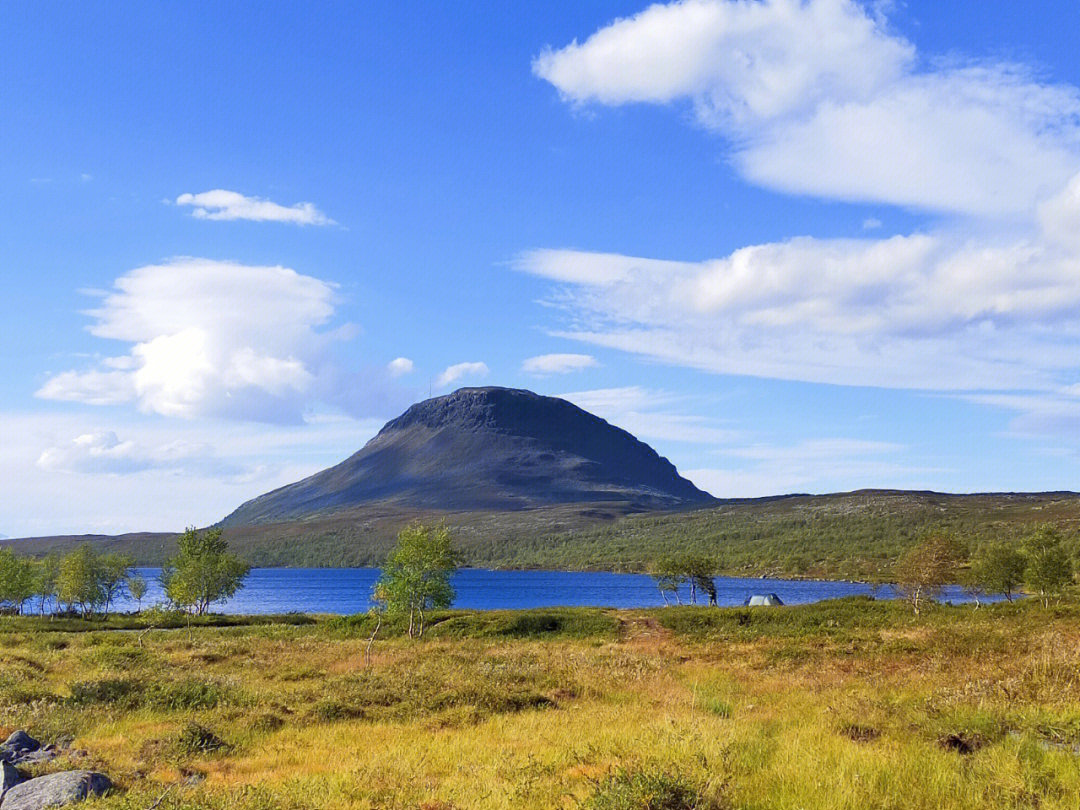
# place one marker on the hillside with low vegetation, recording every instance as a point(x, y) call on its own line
point(855, 535)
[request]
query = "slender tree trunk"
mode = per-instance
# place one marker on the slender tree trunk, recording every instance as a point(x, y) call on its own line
point(421, 633)
point(371, 641)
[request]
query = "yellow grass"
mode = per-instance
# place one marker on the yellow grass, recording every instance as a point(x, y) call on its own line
point(854, 716)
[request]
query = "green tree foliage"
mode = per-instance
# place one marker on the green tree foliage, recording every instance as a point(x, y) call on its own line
point(46, 573)
point(78, 581)
point(999, 568)
point(700, 571)
point(416, 575)
point(113, 573)
point(136, 587)
point(926, 568)
point(1049, 568)
point(669, 575)
point(17, 580)
point(697, 570)
point(203, 572)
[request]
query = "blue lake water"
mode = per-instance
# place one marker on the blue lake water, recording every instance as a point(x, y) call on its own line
point(346, 590)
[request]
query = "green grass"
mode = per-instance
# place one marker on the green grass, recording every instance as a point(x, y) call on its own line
point(845, 704)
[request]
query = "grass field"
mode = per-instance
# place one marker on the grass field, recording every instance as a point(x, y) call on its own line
point(844, 704)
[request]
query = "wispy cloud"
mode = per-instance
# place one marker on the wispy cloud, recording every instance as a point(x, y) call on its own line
point(220, 204)
point(652, 415)
point(207, 467)
point(459, 371)
point(558, 363)
point(104, 452)
point(821, 98)
point(818, 465)
point(993, 312)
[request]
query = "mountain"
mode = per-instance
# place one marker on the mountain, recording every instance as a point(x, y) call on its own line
point(485, 449)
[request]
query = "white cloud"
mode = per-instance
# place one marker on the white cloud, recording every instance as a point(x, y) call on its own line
point(819, 98)
point(220, 204)
point(90, 387)
point(871, 224)
point(821, 465)
point(125, 462)
point(104, 452)
point(558, 363)
point(994, 312)
point(400, 366)
point(459, 370)
point(650, 415)
point(211, 338)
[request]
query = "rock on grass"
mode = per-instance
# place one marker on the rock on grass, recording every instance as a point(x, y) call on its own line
point(55, 790)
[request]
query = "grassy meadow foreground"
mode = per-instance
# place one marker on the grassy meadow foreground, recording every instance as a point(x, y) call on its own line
point(843, 704)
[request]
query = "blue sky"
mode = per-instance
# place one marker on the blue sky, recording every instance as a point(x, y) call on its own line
point(794, 246)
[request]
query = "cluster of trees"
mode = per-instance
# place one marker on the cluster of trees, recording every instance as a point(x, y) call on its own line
point(82, 582)
point(1040, 562)
point(87, 583)
point(695, 570)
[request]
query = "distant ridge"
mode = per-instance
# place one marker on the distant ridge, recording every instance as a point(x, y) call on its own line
point(485, 449)
point(848, 535)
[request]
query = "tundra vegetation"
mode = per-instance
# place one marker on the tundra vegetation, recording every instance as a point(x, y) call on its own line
point(850, 703)
point(856, 535)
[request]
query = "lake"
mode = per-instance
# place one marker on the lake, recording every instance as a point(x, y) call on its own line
point(346, 590)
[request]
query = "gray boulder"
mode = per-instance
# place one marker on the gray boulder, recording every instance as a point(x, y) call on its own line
point(9, 778)
point(47, 754)
point(21, 741)
point(55, 790)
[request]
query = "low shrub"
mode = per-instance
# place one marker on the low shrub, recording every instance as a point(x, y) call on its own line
point(648, 790)
point(130, 693)
point(198, 740)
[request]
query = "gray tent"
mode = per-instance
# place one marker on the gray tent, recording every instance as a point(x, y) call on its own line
point(763, 599)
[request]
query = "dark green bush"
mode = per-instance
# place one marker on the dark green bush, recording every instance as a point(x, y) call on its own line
point(196, 740)
point(130, 693)
point(653, 790)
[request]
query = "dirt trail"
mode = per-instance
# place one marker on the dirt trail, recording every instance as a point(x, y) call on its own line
point(642, 629)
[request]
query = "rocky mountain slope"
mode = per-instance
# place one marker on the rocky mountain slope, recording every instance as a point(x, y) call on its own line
point(485, 449)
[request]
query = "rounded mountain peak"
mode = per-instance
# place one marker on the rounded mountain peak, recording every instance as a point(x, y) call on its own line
point(504, 410)
point(486, 449)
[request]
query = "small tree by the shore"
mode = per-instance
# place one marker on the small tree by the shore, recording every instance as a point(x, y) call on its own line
point(136, 588)
point(1049, 568)
point(16, 580)
point(999, 568)
point(203, 572)
point(669, 574)
point(416, 576)
point(928, 567)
